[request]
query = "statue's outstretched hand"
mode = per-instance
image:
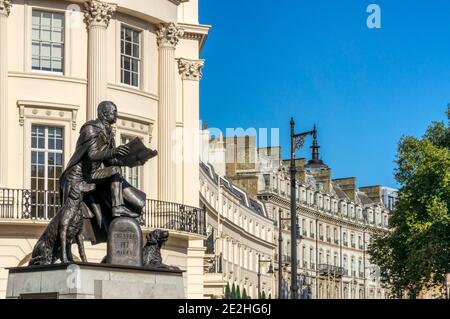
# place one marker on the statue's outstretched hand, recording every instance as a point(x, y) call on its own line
point(122, 150)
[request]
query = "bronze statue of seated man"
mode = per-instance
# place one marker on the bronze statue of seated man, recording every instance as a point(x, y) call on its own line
point(95, 161)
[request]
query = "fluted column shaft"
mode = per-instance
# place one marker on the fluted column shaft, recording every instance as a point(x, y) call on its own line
point(5, 7)
point(97, 72)
point(97, 15)
point(191, 73)
point(168, 36)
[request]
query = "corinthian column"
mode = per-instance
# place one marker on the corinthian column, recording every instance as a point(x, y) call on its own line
point(191, 72)
point(97, 15)
point(168, 36)
point(5, 7)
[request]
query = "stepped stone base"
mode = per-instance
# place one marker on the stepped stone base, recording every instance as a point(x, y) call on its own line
point(93, 281)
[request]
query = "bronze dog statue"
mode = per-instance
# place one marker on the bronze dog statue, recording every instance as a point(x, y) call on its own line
point(65, 228)
point(152, 249)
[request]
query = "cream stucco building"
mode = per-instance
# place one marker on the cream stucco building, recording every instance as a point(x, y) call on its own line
point(58, 60)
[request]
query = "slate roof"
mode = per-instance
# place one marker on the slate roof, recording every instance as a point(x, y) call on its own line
point(254, 205)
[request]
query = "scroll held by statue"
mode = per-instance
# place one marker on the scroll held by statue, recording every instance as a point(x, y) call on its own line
point(139, 154)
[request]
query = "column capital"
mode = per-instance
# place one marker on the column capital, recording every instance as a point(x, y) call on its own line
point(98, 13)
point(169, 34)
point(5, 7)
point(191, 69)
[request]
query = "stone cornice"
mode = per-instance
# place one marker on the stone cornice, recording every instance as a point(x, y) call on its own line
point(197, 32)
point(191, 69)
point(169, 34)
point(98, 13)
point(5, 7)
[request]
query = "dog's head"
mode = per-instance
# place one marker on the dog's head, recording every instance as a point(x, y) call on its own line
point(157, 237)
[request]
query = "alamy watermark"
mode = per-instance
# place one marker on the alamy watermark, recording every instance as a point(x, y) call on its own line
point(374, 18)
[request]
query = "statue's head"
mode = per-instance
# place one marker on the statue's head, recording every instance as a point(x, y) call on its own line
point(107, 111)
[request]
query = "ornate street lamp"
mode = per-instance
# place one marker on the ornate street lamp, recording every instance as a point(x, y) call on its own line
point(297, 142)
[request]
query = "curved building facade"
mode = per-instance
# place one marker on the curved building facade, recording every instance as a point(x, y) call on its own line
point(337, 221)
point(58, 60)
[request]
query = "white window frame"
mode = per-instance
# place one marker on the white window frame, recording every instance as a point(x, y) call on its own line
point(64, 43)
point(46, 151)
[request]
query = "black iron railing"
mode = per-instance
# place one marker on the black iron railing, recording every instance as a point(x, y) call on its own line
point(159, 214)
point(326, 269)
point(23, 204)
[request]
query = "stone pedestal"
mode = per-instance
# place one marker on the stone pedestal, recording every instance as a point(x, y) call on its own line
point(94, 281)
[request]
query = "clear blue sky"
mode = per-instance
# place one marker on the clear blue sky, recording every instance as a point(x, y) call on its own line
point(316, 60)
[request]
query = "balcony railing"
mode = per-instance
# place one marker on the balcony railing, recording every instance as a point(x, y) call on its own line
point(353, 245)
point(25, 204)
point(336, 271)
point(312, 235)
point(321, 237)
point(285, 259)
point(336, 242)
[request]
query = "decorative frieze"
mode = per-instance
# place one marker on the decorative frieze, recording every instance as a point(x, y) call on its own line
point(191, 69)
point(169, 35)
point(98, 13)
point(5, 7)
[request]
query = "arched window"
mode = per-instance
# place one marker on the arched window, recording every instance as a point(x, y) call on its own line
point(361, 294)
point(345, 293)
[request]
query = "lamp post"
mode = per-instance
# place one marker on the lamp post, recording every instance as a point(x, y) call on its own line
point(270, 271)
point(280, 255)
point(297, 142)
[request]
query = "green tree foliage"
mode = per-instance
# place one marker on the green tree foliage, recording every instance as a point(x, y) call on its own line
point(415, 254)
point(244, 294)
point(227, 291)
point(263, 295)
point(233, 291)
point(238, 292)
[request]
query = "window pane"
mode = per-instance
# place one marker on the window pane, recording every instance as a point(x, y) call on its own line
point(126, 77)
point(135, 65)
point(135, 79)
point(46, 64)
point(128, 48)
point(127, 34)
point(136, 50)
point(35, 49)
point(36, 18)
point(57, 65)
point(58, 19)
point(136, 37)
point(59, 159)
point(45, 50)
point(46, 19)
point(57, 35)
point(45, 34)
point(127, 63)
point(35, 34)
